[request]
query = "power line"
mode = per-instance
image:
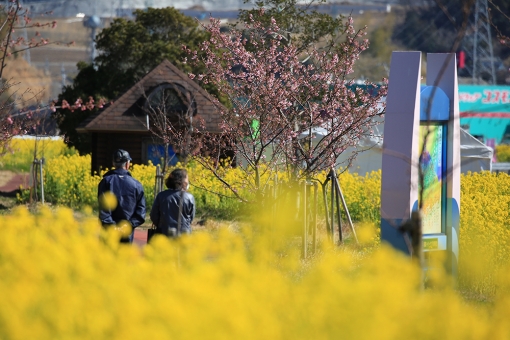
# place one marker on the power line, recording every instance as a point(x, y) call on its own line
point(479, 45)
point(424, 30)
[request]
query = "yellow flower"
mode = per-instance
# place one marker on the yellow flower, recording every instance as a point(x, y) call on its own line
point(108, 201)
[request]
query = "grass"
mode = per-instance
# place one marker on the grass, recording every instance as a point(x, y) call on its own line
point(6, 203)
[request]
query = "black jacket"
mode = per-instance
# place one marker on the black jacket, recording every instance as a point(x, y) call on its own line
point(165, 211)
point(130, 198)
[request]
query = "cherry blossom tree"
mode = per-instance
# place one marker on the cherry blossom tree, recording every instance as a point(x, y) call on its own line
point(15, 117)
point(292, 109)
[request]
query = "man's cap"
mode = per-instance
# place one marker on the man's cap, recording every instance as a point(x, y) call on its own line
point(121, 156)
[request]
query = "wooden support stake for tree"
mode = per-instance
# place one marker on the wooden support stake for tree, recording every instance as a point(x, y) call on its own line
point(41, 161)
point(274, 196)
point(325, 198)
point(305, 222)
point(158, 187)
point(339, 190)
point(332, 208)
point(338, 211)
point(314, 221)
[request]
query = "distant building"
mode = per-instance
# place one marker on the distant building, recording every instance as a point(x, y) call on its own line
point(121, 8)
point(125, 123)
point(109, 9)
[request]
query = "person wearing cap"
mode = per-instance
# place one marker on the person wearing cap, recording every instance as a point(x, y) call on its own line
point(129, 195)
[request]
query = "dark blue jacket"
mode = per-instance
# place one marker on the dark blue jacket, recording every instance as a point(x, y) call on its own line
point(165, 211)
point(130, 198)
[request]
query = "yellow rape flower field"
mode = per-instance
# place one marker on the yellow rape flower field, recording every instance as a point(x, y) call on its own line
point(22, 150)
point(64, 277)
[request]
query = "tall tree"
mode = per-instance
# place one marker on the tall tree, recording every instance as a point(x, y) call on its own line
point(285, 112)
point(298, 20)
point(306, 25)
point(128, 49)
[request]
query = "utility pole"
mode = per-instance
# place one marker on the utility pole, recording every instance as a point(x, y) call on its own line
point(478, 45)
point(25, 36)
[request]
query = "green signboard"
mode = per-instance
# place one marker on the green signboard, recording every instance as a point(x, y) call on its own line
point(485, 110)
point(479, 100)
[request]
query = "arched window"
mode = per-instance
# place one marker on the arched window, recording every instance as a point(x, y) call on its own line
point(172, 100)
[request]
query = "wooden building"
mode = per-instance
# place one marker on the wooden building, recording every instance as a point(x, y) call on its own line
point(125, 123)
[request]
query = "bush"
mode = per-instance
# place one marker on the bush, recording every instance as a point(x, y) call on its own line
point(503, 153)
point(70, 279)
point(484, 230)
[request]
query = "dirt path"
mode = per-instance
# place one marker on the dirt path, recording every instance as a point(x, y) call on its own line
point(11, 181)
point(140, 238)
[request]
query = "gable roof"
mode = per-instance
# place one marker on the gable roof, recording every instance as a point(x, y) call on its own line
point(126, 113)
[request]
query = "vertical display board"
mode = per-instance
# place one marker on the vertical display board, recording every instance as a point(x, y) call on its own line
point(432, 168)
point(421, 153)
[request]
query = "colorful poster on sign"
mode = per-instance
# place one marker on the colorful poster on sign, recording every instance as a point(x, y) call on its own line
point(156, 154)
point(431, 165)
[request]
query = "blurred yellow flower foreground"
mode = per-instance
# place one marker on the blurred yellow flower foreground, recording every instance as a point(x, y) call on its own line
point(64, 279)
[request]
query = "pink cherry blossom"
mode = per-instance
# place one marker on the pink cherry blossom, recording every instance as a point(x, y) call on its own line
point(284, 113)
